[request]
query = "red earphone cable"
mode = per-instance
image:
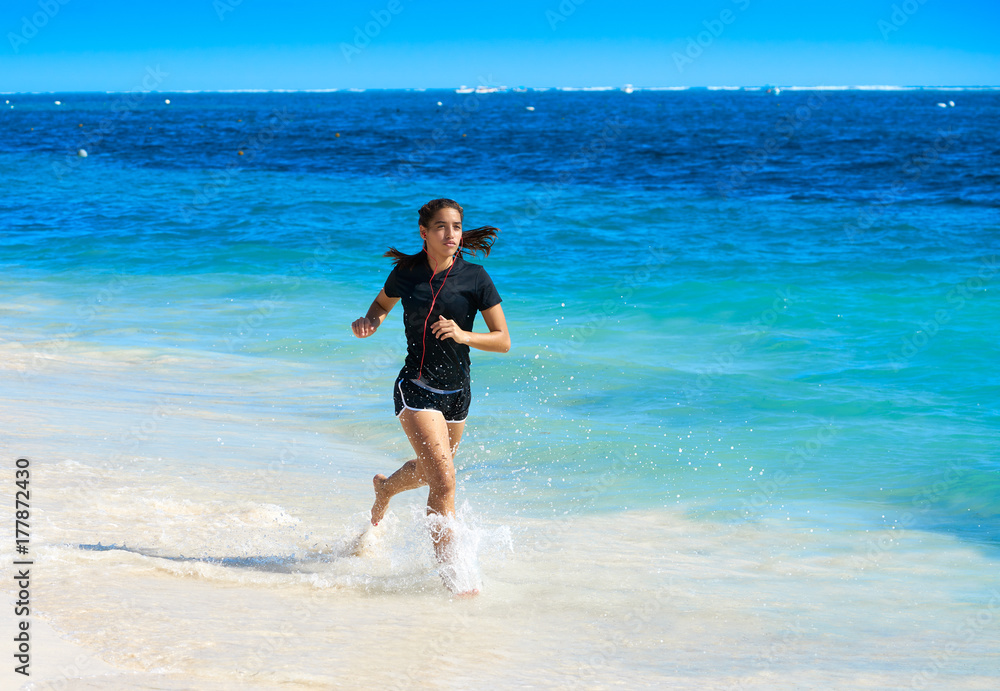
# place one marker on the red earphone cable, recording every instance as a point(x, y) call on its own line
point(434, 297)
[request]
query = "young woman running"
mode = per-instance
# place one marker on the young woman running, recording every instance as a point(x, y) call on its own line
point(441, 294)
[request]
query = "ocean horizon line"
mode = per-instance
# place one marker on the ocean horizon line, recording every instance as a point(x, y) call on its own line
point(538, 89)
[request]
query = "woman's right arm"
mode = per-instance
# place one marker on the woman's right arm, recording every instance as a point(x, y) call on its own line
point(381, 306)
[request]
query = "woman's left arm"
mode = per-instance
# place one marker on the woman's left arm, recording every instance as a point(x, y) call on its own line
point(496, 341)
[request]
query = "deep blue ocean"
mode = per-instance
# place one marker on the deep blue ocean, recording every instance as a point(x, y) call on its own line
point(736, 304)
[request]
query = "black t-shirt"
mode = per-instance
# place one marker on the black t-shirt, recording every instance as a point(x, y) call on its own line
point(468, 289)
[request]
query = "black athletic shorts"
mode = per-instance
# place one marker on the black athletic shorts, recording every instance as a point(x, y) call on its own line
point(454, 405)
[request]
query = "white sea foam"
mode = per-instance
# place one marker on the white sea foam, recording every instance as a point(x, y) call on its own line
point(885, 87)
point(731, 600)
point(848, 87)
point(586, 88)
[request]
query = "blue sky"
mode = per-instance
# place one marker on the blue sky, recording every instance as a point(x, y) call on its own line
point(82, 45)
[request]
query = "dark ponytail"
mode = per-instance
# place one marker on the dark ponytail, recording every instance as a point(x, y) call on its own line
point(473, 241)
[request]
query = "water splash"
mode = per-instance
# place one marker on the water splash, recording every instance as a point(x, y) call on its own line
point(459, 566)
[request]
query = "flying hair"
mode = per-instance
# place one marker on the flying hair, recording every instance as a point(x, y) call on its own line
point(473, 241)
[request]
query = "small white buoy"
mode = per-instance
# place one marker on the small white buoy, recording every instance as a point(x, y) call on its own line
point(440, 104)
point(58, 103)
point(82, 153)
point(951, 103)
point(942, 105)
point(529, 107)
point(167, 101)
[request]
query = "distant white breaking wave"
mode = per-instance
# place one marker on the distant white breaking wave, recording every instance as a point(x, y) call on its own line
point(889, 87)
point(713, 87)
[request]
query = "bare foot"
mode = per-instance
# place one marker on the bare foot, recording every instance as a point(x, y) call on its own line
point(458, 584)
point(381, 500)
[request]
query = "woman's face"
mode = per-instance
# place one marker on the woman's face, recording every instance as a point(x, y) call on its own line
point(444, 232)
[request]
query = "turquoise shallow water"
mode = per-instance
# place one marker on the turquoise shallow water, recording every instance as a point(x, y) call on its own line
point(710, 364)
